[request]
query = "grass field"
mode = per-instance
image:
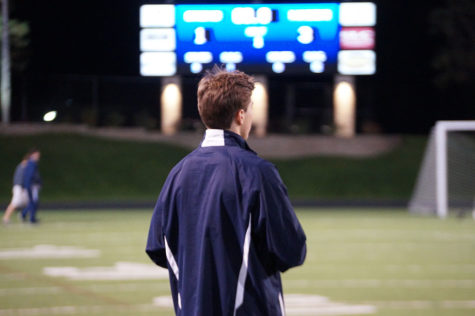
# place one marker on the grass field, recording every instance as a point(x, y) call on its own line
point(366, 262)
point(84, 168)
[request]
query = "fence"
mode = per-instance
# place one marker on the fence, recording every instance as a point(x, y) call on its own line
point(297, 105)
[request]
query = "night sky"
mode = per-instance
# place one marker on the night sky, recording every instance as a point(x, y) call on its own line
point(83, 37)
point(101, 37)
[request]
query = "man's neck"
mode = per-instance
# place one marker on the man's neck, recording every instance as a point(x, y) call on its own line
point(236, 129)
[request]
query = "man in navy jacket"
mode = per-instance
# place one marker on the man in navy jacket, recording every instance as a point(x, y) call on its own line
point(31, 183)
point(223, 224)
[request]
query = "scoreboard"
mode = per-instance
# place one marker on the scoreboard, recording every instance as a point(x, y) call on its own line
point(280, 38)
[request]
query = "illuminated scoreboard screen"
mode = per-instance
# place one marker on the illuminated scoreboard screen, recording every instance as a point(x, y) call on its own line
point(283, 38)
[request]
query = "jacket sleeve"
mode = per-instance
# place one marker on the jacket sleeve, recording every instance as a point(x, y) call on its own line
point(155, 242)
point(155, 246)
point(284, 239)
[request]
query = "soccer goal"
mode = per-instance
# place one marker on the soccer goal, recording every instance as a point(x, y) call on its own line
point(446, 181)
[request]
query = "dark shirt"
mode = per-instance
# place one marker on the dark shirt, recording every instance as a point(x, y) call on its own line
point(31, 175)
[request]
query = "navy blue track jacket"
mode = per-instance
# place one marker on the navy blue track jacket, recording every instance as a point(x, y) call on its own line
point(31, 175)
point(224, 227)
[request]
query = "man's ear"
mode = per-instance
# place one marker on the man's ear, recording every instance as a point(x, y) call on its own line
point(239, 117)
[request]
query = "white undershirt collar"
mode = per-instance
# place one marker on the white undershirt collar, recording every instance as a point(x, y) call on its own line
point(213, 138)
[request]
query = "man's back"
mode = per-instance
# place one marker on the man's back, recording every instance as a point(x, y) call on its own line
point(225, 225)
point(29, 173)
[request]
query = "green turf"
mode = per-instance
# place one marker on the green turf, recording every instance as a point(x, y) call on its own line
point(84, 168)
point(401, 264)
point(76, 167)
point(388, 176)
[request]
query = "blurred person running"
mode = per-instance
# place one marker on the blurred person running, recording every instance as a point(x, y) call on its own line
point(223, 224)
point(19, 195)
point(32, 184)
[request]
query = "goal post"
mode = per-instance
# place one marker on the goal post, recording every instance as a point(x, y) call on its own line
point(447, 175)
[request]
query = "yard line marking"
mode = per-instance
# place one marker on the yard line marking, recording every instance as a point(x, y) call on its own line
point(130, 287)
point(64, 286)
point(71, 310)
point(326, 307)
point(30, 291)
point(411, 268)
point(59, 310)
point(48, 251)
point(424, 304)
point(120, 271)
point(156, 286)
point(458, 304)
point(302, 304)
point(445, 268)
point(376, 283)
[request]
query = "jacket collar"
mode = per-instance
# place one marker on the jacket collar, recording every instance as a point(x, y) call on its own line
point(219, 137)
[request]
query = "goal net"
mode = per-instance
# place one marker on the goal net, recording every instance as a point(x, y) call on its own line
point(446, 181)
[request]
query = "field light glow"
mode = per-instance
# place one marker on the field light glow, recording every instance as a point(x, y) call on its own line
point(260, 109)
point(345, 103)
point(171, 108)
point(50, 116)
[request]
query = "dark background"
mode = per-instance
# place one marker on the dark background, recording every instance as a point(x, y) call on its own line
point(80, 50)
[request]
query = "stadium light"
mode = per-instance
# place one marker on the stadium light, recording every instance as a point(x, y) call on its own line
point(50, 116)
point(171, 105)
point(261, 105)
point(344, 106)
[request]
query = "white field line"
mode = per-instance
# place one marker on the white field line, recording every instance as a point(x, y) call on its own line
point(375, 283)
point(407, 305)
point(48, 251)
point(377, 234)
point(98, 288)
point(385, 242)
point(120, 271)
point(407, 268)
point(331, 310)
point(298, 304)
point(424, 304)
point(75, 310)
point(132, 287)
point(30, 291)
point(302, 304)
point(440, 268)
point(335, 245)
point(129, 287)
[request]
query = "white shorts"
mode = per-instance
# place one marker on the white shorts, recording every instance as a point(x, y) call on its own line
point(20, 196)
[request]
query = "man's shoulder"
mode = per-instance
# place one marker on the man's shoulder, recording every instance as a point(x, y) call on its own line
point(30, 165)
point(180, 163)
point(187, 159)
point(31, 162)
point(246, 158)
point(252, 161)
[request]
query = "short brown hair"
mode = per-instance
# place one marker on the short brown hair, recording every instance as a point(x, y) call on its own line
point(221, 94)
point(32, 151)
